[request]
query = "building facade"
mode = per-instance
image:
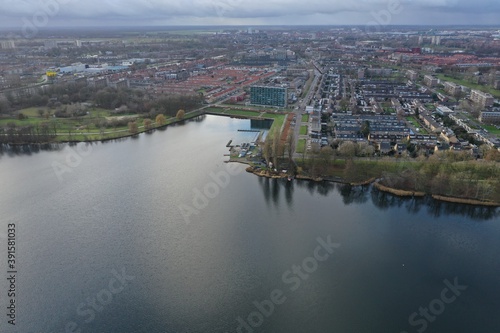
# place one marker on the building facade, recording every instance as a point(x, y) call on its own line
point(490, 117)
point(452, 88)
point(430, 81)
point(481, 98)
point(270, 96)
point(412, 75)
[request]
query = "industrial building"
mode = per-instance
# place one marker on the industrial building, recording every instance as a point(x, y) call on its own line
point(270, 96)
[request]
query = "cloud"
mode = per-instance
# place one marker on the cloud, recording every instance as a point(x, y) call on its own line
point(133, 12)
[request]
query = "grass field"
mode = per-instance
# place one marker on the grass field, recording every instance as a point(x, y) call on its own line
point(492, 129)
point(83, 128)
point(279, 119)
point(242, 113)
point(305, 118)
point(234, 112)
point(301, 146)
point(303, 130)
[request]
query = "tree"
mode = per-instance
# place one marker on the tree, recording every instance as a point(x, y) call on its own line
point(160, 120)
point(278, 150)
point(493, 155)
point(290, 144)
point(132, 127)
point(147, 124)
point(344, 104)
point(348, 149)
point(268, 148)
point(180, 114)
point(365, 128)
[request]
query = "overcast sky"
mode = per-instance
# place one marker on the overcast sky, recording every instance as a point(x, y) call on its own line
point(52, 13)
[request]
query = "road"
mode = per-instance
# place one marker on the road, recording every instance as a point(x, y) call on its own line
point(300, 110)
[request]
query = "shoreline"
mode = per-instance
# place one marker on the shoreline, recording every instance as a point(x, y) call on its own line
point(279, 175)
point(173, 121)
point(400, 193)
point(465, 201)
point(378, 186)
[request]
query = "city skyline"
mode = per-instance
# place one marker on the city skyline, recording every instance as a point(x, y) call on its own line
point(72, 13)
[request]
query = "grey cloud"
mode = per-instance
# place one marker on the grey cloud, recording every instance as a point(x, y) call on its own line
point(188, 11)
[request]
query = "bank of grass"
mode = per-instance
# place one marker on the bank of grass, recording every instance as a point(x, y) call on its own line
point(234, 112)
point(242, 113)
point(401, 193)
point(279, 119)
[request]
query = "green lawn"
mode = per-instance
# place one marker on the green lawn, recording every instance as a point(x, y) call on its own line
point(279, 119)
point(215, 110)
point(24, 122)
point(303, 130)
point(492, 129)
point(301, 146)
point(234, 112)
point(305, 118)
point(242, 113)
point(32, 112)
point(415, 123)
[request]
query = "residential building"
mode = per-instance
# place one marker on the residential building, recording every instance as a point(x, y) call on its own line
point(430, 81)
point(452, 88)
point(8, 45)
point(481, 98)
point(271, 96)
point(412, 75)
point(490, 117)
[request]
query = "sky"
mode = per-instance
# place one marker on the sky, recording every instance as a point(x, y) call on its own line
point(21, 14)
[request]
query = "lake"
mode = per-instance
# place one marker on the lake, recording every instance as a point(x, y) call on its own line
point(158, 234)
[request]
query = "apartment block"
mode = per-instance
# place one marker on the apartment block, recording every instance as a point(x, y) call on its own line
point(412, 75)
point(8, 45)
point(481, 98)
point(430, 81)
point(490, 117)
point(452, 88)
point(272, 96)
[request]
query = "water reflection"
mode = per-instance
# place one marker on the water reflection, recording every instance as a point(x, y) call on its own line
point(361, 194)
point(29, 149)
